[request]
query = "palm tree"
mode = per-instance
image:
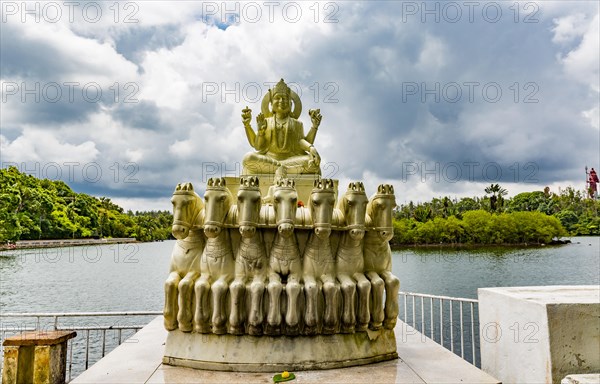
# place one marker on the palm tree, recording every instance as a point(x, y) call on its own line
point(496, 199)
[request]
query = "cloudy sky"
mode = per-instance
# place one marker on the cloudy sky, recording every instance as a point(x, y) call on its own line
point(438, 98)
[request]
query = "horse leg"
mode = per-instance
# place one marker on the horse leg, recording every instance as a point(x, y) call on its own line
point(186, 292)
point(219, 288)
point(274, 316)
point(257, 289)
point(348, 294)
point(377, 289)
point(331, 294)
point(170, 310)
point(364, 292)
point(292, 288)
point(237, 293)
point(201, 289)
point(392, 285)
point(311, 290)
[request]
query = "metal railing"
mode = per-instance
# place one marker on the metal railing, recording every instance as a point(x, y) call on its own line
point(451, 322)
point(91, 343)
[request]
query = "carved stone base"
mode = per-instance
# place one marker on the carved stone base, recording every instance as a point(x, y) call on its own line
point(250, 353)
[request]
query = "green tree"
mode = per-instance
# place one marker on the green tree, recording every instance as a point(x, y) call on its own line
point(496, 198)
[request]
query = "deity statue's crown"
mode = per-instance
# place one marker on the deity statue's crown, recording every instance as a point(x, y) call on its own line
point(285, 183)
point(324, 184)
point(216, 183)
point(183, 188)
point(249, 182)
point(356, 187)
point(385, 189)
point(280, 87)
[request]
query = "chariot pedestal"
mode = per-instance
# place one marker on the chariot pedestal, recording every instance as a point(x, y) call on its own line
point(275, 354)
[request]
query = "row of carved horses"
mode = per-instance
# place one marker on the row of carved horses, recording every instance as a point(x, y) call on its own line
point(206, 265)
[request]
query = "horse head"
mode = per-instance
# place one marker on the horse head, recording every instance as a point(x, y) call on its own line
point(353, 205)
point(379, 212)
point(285, 203)
point(248, 205)
point(187, 206)
point(321, 204)
point(217, 200)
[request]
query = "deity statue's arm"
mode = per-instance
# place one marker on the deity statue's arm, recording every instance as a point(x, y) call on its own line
point(315, 117)
point(311, 135)
point(250, 134)
point(305, 145)
point(312, 151)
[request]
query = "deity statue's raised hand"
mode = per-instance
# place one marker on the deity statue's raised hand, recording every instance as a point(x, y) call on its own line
point(315, 117)
point(246, 116)
point(262, 123)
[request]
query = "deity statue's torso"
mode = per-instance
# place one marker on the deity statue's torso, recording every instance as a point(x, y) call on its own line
point(283, 137)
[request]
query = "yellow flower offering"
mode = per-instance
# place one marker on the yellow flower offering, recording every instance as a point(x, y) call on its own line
point(283, 376)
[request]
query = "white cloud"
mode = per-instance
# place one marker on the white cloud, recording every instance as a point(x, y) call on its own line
point(581, 63)
point(143, 204)
point(36, 145)
point(569, 28)
point(593, 115)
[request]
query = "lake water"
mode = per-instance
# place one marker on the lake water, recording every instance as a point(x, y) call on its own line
point(130, 277)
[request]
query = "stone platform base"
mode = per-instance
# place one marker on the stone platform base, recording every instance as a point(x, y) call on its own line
point(421, 361)
point(249, 353)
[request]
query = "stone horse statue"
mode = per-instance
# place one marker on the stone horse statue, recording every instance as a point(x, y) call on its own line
point(250, 262)
point(319, 264)
point(350, 263)
point(217, 263)
point(185, 258)
point(378, 257)
point(285, 264)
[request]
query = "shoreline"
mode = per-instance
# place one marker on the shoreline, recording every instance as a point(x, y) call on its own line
point(38, 244)
point(397, 247)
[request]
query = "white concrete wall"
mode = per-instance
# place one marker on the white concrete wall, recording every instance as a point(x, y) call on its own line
point(539, 334)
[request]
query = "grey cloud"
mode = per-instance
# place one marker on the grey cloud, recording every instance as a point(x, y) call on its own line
point(143, 115)
point(135, 42)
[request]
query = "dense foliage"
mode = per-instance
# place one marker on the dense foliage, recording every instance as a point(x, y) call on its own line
point(529, 217)
point(31, 209)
